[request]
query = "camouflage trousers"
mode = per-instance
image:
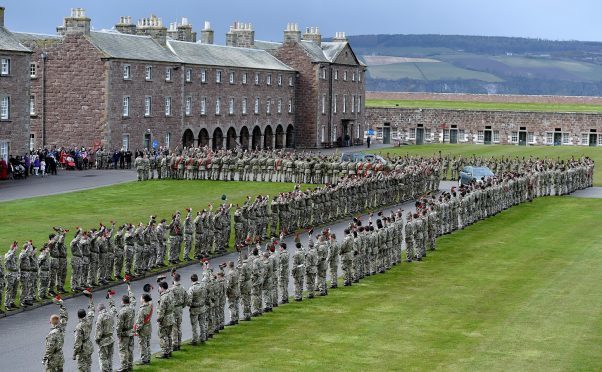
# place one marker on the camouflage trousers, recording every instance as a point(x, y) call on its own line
point(126, 352)
point(77, 272)
point(105, 358)
point(233, 307)
point(104, 266)
point(298, 285)
point(198, 320)
point(55, 363)
point(145, 350)
point(348, 270)
point(409, 250)
point(58, 272)
point(187, 245)
point(310, 284)
point(165, 340)
point(160, 256)
point(138, 264)
point(256, 295)
point(334, 273)
point(84, 363)
point(93, 270)
point(128, 258)
point(43, 284)
point(283, 284)
point(246, 304)
point(118, 262)
point(25, 279)
point(174, 247)
point(176, 330)
point(321, 278)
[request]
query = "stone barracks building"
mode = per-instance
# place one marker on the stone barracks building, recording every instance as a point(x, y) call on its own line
point(142, 85)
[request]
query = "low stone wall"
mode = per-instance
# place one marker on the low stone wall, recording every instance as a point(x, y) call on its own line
point(472, 126)
point(489, 98)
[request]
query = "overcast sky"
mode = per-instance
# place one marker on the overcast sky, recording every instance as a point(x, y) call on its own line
point(550, 19)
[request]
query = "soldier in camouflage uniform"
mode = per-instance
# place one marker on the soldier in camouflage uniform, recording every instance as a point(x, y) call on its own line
point(53, 359)
point(83, 346)
point(196, 298)
point(43, 272)
point(257, 272)
point(129, 239)
point(233, 292)
point(333, 260)
point(104, 334)
point(180, 299)
point(188, 231)
point(161, 243)
point(311, 269)
point(12, 276)
point(246, 285)
point(143, 328)
point(283, 272)
point(25, 274)
point(126, 318)
point(175, 236)
point(165, 320)
point(119, 252)
point(298, 271)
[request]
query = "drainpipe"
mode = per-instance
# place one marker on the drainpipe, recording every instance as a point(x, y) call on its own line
point(44, 56)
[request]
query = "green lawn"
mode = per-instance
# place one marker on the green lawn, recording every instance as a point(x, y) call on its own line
point(464, 105)
point(133, 202)
point(516, 292)
point(564, 152)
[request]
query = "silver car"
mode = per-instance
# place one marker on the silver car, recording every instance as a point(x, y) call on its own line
point(473, 174)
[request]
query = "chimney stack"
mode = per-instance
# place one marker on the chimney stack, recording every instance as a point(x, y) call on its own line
point(125, 26)
point(77, 23)
point(340, 37)
point(153, 27)
point(313, 34)
point(241, 35)
point(1, 16)
point(292, 33)
point(207, 34)
point(182, 31)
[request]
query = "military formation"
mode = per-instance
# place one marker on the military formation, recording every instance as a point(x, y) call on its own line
point(259, 280)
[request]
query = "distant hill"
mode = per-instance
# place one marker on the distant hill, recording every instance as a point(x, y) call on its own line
point(480, 64)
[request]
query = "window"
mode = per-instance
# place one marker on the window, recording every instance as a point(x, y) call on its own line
point(203, 106)
point(268, 106)
point(32, 142)
point(480, 136)
point(188, 75)
point(244, 105)
point(168, 74)
point(279, 107)
point(334, 104)
point(336, 74)
point(585, 139)
point(379, 133)
point(323, 73)
point(148, 73)
point(127, 72)
point(352, 104)
point(231, 106)
point(514, 137)
point(344, 103)
point(323, 103)
point(126, 106)
point(32, 105)
point(290, 81)
point(290, 106)
point(496, 136)
point(412, 133)
point(565, 138)
point(446, 135)
point(279, 80)
point(218, 77)
point(244, 78)
point(268, 79)
point(530, 137)
point(147, 106)
point(203, 76)
point(359, 104)
point(5, 66)
point(167, 106)
point(461, 135)
point(218, 103)
point(599, 139)
point(334, 133)
point(323, 134)
point(353, 76)
point(359, 76)
point(188, 107)
point(33, 70)
point(256, 105)
point(125, 142)
point(168, 139)
point(231, 78)
point(256, 78)
point(5, 108)
point(549, 138)
point(344, 75)
point(4, 150)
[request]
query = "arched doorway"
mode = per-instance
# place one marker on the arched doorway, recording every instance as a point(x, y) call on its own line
point(244, 138)
point(231, 139)
point(188, 138)
point(203, 138)
point(290, 137)
point(268, 138)
point(279, 137)
point(256, 140)
point(218, 139)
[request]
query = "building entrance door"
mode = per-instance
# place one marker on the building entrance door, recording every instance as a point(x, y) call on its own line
point(419, 136)
point(387, 135)
point(522, 138)
point(593, 139)
point(487, 139)
point(557, 139)
point(453, 136)
point(147, 141)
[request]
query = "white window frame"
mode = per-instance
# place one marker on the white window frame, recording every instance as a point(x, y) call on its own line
point(279, 80)
point(257, 78)
point(203, 76)
point(167, 73)
point(290, 105)
point(585, 139)
point(127, 72)
point(268, 79)
point(168, 139)
point(203, 105)
point(268, 106)
point(4, 150)
point(530, 137)
point(599, 139)
point(256, 107)
point(125, 112)
point(5, 66)
point(33, 70)
point(353, 76)
point(218, 105)
point(5, 108)
point(244, 105)
point(549, 138)
point(565, 138)
point(323, 104)
point(188, 106)
point(231, 106)
point(345, 75)
point(290, 81)
point(336, 74)
point(279, 106)
point(32, 105)
point(167, 106)
point(334, 104)
point(334, 134)
point(513, 137)
point(359, 104)
point(359, 77)
point(323, 73)
point(495, 136)
point(344, 103)
point(148, 106)
point(481, 136)
point(148, 73)
point(218, 76)
point(231, 77)
point(125, 142)
point(352, 104)
point(446, 135)
point(188, 75)
point(323, 134)
point(244, 78)
point(412, 133)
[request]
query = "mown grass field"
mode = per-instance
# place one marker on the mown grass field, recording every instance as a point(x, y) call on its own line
point(554, 152)
point(517, 292)
point(465, 105)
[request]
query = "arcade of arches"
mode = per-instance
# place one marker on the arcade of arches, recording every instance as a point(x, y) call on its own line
point(245, 139)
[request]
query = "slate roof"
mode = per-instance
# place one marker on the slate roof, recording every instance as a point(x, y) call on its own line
point(135, 47)
point(219, 55)
point(9, 42)
point(327, 52)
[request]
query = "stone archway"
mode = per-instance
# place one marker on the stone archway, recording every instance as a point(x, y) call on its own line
point(268, 138)
point(231, 139)
point(188, 138)
point(218, 139)
point(244, 138)
point(290, 136)
point(203, 138)
point(279, 137)
point(256, 139)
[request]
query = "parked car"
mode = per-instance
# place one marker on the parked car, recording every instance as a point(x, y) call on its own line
point(470, 174)
point(357, 157)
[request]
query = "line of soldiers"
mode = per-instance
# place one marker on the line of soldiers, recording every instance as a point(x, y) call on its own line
point(258, 282)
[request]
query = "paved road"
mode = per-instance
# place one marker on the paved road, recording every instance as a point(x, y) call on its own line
point(65, 181)
point(592, 192)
